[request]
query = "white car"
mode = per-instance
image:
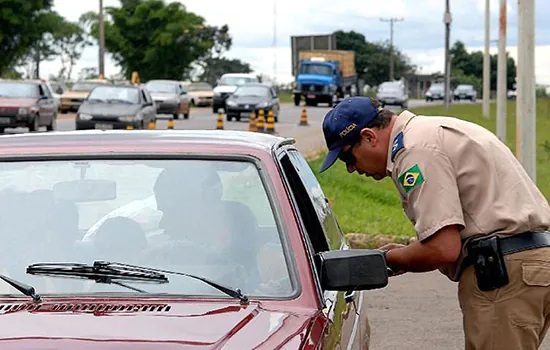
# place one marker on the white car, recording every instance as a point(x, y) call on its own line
point(227, 85)
point(393, 93)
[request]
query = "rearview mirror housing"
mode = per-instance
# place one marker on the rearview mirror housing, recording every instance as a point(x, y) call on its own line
point(353, 269)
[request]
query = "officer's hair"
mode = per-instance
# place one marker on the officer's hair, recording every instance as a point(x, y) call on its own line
point(382, 120)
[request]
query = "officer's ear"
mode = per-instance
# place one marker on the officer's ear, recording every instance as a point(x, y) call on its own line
point(369, 136)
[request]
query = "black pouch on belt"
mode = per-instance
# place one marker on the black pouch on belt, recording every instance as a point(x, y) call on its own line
point(489, 265)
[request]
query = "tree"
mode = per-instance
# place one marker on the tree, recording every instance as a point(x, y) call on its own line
point(471, 65)
point(158, 40)
point(21, 27)
point(88, 73)
point(71, 40)
point(372, 60)
point(213, 68)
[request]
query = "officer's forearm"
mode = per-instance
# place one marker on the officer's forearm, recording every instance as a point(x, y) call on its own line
point(440, 250)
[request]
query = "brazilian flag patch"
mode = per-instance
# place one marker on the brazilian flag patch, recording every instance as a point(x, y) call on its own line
point(411, 178)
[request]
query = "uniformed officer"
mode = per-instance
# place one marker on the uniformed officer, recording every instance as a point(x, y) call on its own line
point(479, 217)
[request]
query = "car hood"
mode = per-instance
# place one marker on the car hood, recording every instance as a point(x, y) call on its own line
point(150, 325)
point(201, 93)
point(17, 102)
point(109, 109)
point(248, 99)
point(225, 89)
point(314, 79)
point(163, 96)
point(75, 94)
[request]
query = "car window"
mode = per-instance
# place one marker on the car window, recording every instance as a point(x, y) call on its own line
point(144, 97)
point(161, 87)
point(47, 91)
point(324, 213)
point(129, 95)
point(211, 218)
point(17, 90)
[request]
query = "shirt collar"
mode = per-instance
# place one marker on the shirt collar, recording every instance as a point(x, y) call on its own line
point(400, 123)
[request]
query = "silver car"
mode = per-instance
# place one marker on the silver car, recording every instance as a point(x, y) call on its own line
point(170, 97)
point(393, 93)
point(465, 92)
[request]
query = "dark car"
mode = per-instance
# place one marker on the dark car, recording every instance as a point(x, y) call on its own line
point(465, 92)
point(116, 107)
point(26, 103)
point(252, 98)
point(221, 239)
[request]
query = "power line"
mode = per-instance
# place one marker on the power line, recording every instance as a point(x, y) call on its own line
point(391, 21)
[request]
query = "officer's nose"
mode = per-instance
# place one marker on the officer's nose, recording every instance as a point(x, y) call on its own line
point(351, 168)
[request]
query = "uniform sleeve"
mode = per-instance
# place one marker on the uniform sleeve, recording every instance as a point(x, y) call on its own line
point(427, 183)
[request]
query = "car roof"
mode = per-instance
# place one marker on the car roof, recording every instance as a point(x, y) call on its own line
point(139, 141)
point(240, 75)
point(26, 81)
point(255, 85)
point(164, 81)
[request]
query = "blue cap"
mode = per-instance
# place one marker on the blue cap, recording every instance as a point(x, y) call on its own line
point(343, 124)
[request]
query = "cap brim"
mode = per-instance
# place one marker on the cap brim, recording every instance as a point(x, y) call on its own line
point(330, 159)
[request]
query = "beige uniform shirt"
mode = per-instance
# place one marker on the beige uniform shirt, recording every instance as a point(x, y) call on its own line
point(449, 171)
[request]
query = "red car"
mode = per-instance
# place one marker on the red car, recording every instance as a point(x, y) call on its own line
point(174, 240)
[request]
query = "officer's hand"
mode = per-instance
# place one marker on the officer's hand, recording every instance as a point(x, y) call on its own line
point(390, 246)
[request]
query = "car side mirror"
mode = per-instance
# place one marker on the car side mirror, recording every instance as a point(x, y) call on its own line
point(353, 269)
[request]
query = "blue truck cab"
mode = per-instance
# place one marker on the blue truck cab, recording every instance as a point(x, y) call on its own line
point(317, 82)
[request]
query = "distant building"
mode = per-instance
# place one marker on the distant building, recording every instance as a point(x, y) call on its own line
point(418, 84)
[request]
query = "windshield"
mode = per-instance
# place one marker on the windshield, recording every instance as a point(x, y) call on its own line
point(436, 88)
point(87, 87)
point(119, 94)
point(161, 87)
point(390, 88)
point(464, 88)
point(316, 69)
point(18, 90)
point(200, 87)
point(252, 91)
point(236, 81)
point(210, 218)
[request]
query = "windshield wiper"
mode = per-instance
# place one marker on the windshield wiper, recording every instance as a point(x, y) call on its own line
point(100, 272)
point(109, 272)
point(23, 288)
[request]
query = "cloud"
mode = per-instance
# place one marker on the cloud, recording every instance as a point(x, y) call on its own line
point(420, 35)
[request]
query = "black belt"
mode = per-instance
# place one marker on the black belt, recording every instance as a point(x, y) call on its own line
point(520, 242)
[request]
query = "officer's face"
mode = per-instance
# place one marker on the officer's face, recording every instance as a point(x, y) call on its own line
point(369, 155)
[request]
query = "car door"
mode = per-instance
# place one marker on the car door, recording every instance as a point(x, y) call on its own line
point(275, 102)
point(148, 107)
point(347, 325)
point(46, 105)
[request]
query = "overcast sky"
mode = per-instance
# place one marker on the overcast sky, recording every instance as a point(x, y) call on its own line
point(420, 35)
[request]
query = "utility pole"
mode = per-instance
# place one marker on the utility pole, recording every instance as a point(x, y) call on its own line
point(101, 42)
point(526, 88)
point(392, 21)
point(274, 41)
point(447, 20)
point(501, 74)
point(487, 63)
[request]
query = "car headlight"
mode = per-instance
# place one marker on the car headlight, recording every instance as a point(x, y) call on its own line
point(263, 104)
point(23, 111)
point(85, 117)
point(127, 119)
point(231, 103)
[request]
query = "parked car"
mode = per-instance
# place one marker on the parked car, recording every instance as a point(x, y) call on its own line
point(56, 89)
point(227, 85)
point(221, 238)
point(26, 103)
point(170, 97)
point(202, 94)
point(252, 98)
point(116, 107)
point(435, 92)
point(511, 94)
point(465, 92)
point(71, 100)
point(393, 93)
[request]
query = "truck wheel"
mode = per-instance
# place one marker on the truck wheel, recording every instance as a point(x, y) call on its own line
point(296, 100)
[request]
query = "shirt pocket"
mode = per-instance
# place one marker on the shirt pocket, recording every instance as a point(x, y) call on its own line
point(536, 273)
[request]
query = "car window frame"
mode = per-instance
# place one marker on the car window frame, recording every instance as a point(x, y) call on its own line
point(263, 173)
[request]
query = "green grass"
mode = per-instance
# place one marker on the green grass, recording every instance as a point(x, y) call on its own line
point(286, 97)
point(364, 205)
